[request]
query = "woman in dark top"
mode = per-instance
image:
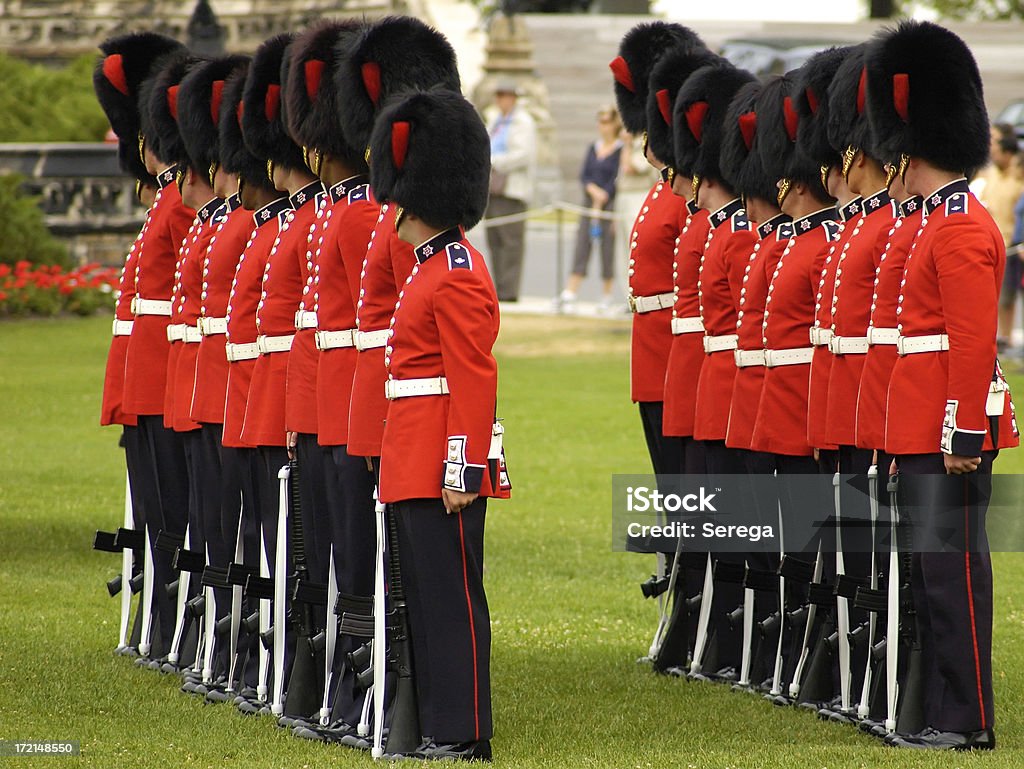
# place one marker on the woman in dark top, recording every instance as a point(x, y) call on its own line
point(600, 170)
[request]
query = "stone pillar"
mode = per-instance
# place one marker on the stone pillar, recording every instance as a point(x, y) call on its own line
point(509, 56)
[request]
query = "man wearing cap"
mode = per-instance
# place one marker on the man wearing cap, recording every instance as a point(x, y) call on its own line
point(513, 159)
point(949, 408)
point(439, 462)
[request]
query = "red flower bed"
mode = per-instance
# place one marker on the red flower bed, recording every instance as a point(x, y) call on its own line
point(30, 289)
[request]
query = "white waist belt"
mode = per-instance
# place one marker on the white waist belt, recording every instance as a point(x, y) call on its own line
point(883, 335)
point(305, 319)
point(848, 345)
point(794, 356)
point(176, 332)
point(642, 304)
point(212, 326)
point(368, 340)
point(236, 352)
point(151, 306)
point(329, 340)
point(122, 327)
point(192, 335)
point(745, 358)
point(720, 343)
point(909, 345)
point(408, 388)
point(687, 326)
point(820, 337)
point(271, 344)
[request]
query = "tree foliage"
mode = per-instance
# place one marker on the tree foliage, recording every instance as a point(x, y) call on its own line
point(41, 104)
point(979, 10)
point(23, 230)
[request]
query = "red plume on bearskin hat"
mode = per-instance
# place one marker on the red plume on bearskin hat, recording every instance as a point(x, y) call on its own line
point(641, 48)
point(159, 103)
point(925, 98)
point(200, 100)
point(263, 120)
point(664, 83)
point(699, 113)
point(395, 54)
point(430, 153)
point(235, 157)
point(741, 166)
point(311, 97)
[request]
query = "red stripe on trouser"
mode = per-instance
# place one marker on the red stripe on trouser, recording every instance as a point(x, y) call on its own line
point(970, 604)
point(472, 631)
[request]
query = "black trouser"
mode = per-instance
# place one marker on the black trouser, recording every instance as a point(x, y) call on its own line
point(442, 559)
point(354, 537)
point(140, 478)
point(240, 514)
point(210, 484)
point(666, 451)
point(166, 505)
point(316, 524)
point(952, 590)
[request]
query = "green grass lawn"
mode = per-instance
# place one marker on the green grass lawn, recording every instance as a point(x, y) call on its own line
point(568, 618)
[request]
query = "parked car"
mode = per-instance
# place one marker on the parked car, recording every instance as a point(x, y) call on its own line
point(776, 55)
point(1013, 113)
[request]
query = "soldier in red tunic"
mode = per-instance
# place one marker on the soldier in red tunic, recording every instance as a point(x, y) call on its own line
point(387, 57)
point(126, 61)
point(202, 381)
point(346, 217)
point(147, 359)
point(653, 238)
point(440, 460)
point(949, 410)
point(266, 209)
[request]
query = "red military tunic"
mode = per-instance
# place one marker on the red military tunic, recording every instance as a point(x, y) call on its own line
point(226, 246)
point(851, 311)
point(821, 332)
point(882, 331)
point(773, 235)
point(387, 264)
point(445, 325)
point(185, 312)
point(651, 245)
point(145, 374)
point(342, 249)
point(246, 287)
point(730, 241)
point(943, 400)
point(275, 321)
point(781, 426)
point(686, 356)
point(112, 406)
point(300, 407)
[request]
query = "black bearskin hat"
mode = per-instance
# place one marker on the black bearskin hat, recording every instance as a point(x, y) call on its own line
point(925, 98)
point(777, 123)
point(741, 166)
point(430, 153)
point(200, 97)
point(235, 157)
point(666, 79)
point(159, 107)
point(847, 104)
point(395, 54)
point(127, 61)
point(262, 121)
point(810, 97)
point(641, 48)
point(311, 99)
point(699, 114)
